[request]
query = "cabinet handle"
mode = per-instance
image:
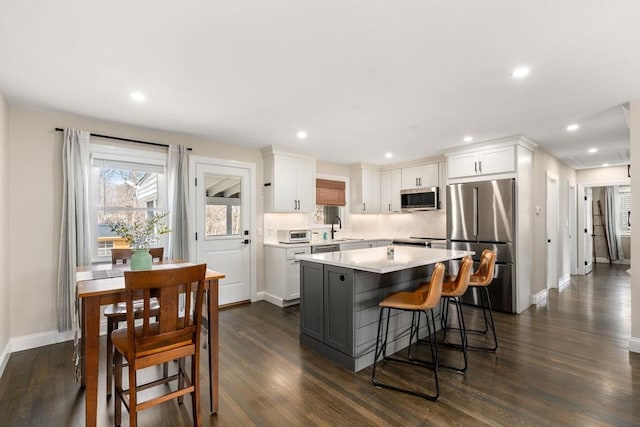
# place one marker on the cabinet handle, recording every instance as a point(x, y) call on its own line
point(480, 165)
point(389, 207)
point(364, 207)
point(475, 167)
point(420, 181)
point(342, 277)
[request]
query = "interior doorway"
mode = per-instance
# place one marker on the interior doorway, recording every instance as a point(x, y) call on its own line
point(573, 242)
point(553, 229)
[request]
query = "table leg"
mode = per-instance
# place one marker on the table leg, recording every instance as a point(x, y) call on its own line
point(213, 345)
point(91, 339)
point(83, 372)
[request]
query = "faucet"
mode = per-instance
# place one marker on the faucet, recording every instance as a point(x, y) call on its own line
point(333, 232)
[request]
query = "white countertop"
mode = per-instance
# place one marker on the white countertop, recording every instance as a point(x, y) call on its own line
point(375, 259)
point(321, 242)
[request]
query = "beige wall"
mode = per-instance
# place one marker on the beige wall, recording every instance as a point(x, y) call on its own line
point(634, 119)
point(5, 331)
point(543, 163)
point(35, 203)
point(602, 176)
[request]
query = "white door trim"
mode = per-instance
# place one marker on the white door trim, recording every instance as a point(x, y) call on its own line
point(251, 167)
point(572, 210)
point(552, 228)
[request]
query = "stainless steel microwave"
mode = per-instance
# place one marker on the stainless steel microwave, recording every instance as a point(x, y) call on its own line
point(420, 199)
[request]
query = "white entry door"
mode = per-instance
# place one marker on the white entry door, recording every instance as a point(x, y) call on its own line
point(588, 230)
point(223, 216)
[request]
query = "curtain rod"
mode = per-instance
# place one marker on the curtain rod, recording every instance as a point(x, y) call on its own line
point(117, 138)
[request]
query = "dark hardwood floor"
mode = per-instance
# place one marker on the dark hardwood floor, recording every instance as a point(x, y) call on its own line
point(565, 363)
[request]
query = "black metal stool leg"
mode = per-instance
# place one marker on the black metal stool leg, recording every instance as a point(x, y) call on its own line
point(490, 324)
point(381, 350)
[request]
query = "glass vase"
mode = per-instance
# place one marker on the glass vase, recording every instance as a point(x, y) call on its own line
point(141, 260)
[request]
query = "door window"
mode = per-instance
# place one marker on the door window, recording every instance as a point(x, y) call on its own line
point(223, 209)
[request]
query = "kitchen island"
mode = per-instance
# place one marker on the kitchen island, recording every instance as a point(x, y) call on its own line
point(340, 292)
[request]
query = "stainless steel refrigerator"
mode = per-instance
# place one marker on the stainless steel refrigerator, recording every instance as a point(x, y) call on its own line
point(481, 215)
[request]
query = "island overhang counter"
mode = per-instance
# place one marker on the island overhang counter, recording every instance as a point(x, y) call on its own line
point(340, 292)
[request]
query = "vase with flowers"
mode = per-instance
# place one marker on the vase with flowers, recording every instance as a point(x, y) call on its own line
point(141, 234)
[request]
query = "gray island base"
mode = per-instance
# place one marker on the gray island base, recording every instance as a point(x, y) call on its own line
point(339, 296)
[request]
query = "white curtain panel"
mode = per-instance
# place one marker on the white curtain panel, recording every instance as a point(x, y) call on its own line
point(75, 232)
point(178, 183)
point(611, 214)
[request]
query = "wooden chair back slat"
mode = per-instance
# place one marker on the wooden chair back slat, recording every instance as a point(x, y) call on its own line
point(172, 327)
point(123, 255)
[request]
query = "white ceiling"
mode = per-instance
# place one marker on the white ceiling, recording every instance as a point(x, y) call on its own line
point(361, 77)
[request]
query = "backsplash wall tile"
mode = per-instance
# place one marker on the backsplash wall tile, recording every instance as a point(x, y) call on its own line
point(359, 226)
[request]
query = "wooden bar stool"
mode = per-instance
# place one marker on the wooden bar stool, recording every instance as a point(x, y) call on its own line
point(416, 302)
point(452, 290)
point(481, 279)
point(116, 313)
point(175, 334)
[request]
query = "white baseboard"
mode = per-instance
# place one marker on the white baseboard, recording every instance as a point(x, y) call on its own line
point(564, 281)
point(634, 345)
point(603, 260)
point(279, 301)
point(273, 299)
point(41, 339)
point(540, 297)
point(4, 357)
point(259, 296)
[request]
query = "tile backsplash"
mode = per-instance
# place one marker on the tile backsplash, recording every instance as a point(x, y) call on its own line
point(419, 224)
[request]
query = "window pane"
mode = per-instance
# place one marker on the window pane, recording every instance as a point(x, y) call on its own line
point(216, 217)
point(325, 214)
point(223, 205)
point(236, 220)
point(127, 194)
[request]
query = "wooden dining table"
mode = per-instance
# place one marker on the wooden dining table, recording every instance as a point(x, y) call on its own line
point(103, 284)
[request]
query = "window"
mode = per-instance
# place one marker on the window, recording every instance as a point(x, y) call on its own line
point(330, 197)
point(624, 208)
point(223, 206)
point(325, 214)
point(126, 184)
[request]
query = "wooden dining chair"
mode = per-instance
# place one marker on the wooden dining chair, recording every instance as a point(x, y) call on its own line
point(175, 334)
point(116, 313)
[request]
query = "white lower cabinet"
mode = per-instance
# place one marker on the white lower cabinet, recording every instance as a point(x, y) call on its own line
point(282, 274)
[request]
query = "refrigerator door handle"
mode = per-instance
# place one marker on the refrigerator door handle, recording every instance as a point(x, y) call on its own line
point(475, 212)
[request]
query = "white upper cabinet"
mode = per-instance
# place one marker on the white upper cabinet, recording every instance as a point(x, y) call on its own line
point(489, 161)
point(365, 189)
point(289, 181)
point(420, 176)
point(390, 184)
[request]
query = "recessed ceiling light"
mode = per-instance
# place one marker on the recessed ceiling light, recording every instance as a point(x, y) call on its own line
point(520, 72)
point(468, 138)
point(593, 150)
point(388, 155)
point(605, 165)
point(573, 127)
point(138, 96)
point(301, 134)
